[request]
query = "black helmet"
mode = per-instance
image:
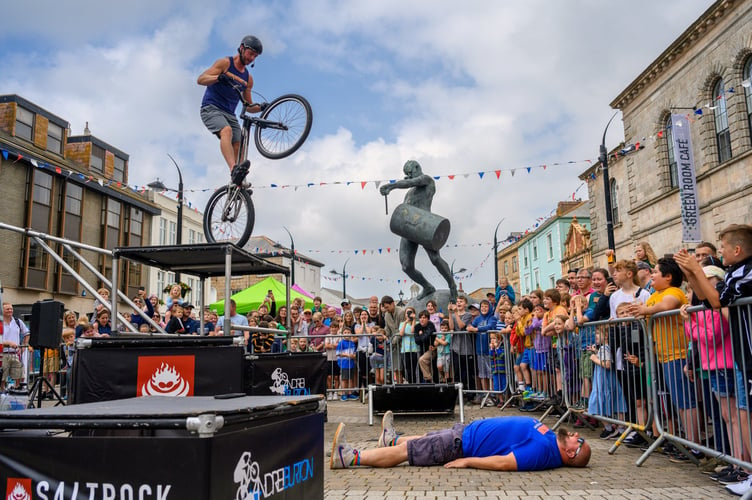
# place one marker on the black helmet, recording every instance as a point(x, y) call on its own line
point(252, 43)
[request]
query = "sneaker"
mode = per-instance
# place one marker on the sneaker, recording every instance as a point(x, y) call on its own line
point(343, 397)
point(606, 434)
point(342, 453)
point(388, 434)
point(715, 474)
point(734, 476)
point(239, 172)
point(634, 440)
point(579, 424)
point(353, 396)
point(741, 487)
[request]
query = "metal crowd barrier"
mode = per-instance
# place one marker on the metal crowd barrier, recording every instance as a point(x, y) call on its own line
point(696, 383)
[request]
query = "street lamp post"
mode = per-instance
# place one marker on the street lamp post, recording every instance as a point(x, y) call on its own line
point(607, 192)
point(158, 185)
point(401, 295)
point(292, 256)
point(343, 274)
point(496, 252)
point(451, 269)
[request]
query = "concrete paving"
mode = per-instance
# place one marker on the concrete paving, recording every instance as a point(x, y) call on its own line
point(608, 476)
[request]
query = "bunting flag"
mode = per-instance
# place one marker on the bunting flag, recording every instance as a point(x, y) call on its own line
point(115, 184)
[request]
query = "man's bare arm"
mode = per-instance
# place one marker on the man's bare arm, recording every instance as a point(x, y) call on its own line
point(496, 462)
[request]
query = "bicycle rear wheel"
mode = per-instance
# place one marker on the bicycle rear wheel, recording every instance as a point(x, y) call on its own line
point(283, 127)
point(229, 216)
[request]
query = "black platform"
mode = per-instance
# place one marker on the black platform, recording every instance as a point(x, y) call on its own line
point(164, 447)
point(414, 398)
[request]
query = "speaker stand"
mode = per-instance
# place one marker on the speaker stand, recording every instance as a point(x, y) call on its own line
point(36, 391)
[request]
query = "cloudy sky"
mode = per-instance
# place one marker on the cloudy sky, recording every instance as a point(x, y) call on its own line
point(462, 87)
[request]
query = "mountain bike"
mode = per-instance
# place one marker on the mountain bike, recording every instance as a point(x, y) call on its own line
point(280, 130)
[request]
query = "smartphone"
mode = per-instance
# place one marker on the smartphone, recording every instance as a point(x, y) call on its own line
point(142, 289)
point(610, 280)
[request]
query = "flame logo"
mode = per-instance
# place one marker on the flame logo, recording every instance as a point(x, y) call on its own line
point(166, 381)
point(19, 493)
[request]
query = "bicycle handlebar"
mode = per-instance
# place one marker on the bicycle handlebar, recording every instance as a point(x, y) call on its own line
point(225, 79)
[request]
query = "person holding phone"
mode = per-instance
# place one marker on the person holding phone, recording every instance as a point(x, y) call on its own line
point(409, 349)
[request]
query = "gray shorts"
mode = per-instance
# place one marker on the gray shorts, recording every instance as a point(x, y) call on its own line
point(437, 447)
point(215, 120)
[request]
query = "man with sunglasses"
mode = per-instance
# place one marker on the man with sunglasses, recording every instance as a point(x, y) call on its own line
point(220, 101)
point(499, 443)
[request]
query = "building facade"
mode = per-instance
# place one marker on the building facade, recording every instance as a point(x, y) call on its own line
point(704, 74)
point(541, 253)
point(71, 187)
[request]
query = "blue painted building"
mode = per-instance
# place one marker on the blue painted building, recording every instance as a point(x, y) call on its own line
point(541, 253)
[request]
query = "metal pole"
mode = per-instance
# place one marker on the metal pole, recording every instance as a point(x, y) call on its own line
point(179, 235)
point(344, 280)
point(496, 252)
point(292, 256)
point(607, 192)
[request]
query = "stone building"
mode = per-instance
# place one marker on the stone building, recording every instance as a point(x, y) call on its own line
point(705, 75)
point(506, 260)
point(72, 187)
point(577, 248)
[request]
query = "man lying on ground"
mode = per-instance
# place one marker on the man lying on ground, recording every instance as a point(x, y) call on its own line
point(500, 443)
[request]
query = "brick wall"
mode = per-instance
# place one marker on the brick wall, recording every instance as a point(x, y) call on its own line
point(80, 152)
point(41, 125)
point(8, 117)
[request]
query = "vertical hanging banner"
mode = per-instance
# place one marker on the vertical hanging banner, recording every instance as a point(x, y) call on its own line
point(685, 164)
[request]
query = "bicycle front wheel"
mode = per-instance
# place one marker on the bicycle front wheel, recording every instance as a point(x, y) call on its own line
point(229, 216)
point(283, 126)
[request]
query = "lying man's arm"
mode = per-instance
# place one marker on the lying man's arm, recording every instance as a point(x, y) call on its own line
point(496, 462)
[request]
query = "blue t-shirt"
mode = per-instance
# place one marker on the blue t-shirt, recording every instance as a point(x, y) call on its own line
point(221, 95)
point(345, 348)
point(533, 444)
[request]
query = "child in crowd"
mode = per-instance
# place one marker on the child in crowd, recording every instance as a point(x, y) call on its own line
point(67, 350)
point(346, 356)
point(542, 346)
point(443, 343)
point(524, 331)
point(143, 328)
point(261, 342)
point(102, 325)
point(606, 396)
point(98, 306)
point(303, 345)
point(498, 366)
point(378, 343)
point(175, 325)
point(294, 344)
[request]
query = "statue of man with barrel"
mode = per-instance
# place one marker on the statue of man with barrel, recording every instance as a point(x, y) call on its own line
point(414, 222)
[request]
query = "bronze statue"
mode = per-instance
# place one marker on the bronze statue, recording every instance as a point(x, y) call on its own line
point(414, 222)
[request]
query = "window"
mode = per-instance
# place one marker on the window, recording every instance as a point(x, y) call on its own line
point(54, 138)
point(191, 237)
point(24, 123)
point(552, 281)
point(97, 159)
point(161, 282)
point(135, 229)
point(514, 264)
point(119, 172)
point(506, 267)
point(722, 134)
point(614, 202)
point(525, 262)
point(73, 210)
point(173, 233)
point(112, 223)
point(535, 250)
point(536, 278)
point(162, 231)
point(550, 245)
point(41, 210)
point(747, 79)
point(673, 171)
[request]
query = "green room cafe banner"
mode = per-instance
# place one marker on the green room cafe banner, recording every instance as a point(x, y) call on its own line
point(685, 164)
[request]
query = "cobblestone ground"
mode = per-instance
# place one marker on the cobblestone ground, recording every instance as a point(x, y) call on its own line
point(608, 476)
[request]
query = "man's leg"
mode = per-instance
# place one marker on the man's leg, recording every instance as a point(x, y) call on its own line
point(408, 250)
point(345, 456)
point(227, 147)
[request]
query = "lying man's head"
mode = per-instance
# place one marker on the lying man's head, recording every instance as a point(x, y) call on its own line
point(574, 450)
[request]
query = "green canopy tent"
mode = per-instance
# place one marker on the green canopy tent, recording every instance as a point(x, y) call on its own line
point(252, 297)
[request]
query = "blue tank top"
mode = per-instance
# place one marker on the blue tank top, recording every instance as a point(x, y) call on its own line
point(221, 95)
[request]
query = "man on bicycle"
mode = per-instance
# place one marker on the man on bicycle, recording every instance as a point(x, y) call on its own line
point(221, 99)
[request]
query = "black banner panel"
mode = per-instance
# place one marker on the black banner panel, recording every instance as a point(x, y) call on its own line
point(243, 461)
point(106, 374)
point(294, 374)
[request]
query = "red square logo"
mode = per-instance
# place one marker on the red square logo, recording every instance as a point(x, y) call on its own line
point(165, 375)
point(18, 488)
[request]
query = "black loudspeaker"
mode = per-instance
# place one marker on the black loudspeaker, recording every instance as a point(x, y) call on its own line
point(46, 324)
